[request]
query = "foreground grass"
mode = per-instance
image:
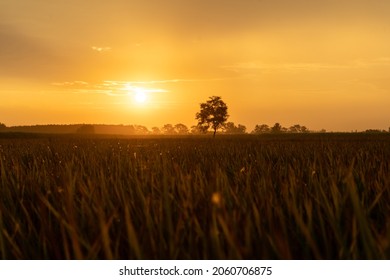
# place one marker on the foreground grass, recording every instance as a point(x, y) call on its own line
point(270, 197)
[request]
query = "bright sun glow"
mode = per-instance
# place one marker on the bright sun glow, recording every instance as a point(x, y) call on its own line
point(140, 95)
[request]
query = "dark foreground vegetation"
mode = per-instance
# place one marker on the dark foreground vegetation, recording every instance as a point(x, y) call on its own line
point(315, 196)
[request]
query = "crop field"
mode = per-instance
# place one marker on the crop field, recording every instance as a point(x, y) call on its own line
point(314, 196)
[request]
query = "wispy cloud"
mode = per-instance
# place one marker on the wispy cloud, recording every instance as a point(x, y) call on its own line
point(101, 49)
point(123, 88)
point(110, 88)
point(74, 83)
point(284, 67)
point(169, 81)
point(376, 62)
point(301, 66)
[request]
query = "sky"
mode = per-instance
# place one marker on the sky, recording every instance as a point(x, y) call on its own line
point(324, 64)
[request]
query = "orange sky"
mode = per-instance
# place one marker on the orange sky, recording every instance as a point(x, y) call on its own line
point(323, 64)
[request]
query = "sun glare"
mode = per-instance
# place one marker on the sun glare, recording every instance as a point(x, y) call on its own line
point(140, 95)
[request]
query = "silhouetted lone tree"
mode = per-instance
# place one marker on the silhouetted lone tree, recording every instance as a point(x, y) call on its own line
point(212, 114)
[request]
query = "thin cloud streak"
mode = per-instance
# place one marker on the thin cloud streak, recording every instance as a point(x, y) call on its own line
point(297, 67)
point(74, 83)
point(125, 88)
point(101, 49)
point(166, 81)
point(110, 88)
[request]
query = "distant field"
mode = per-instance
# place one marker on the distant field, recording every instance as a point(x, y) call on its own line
point(315, 196)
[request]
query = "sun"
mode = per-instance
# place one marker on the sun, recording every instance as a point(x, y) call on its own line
point(140, 95)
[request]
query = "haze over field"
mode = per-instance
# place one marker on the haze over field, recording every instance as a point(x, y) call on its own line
point(323, 64)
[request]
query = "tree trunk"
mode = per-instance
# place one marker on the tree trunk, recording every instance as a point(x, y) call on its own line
point(215, 131)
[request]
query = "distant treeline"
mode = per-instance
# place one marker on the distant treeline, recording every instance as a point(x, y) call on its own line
point(78, 129)
point(167, 129)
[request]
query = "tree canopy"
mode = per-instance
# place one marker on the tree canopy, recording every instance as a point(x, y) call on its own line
point(213, 114)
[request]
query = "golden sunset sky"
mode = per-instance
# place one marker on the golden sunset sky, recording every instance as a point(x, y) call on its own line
point(319, 63)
